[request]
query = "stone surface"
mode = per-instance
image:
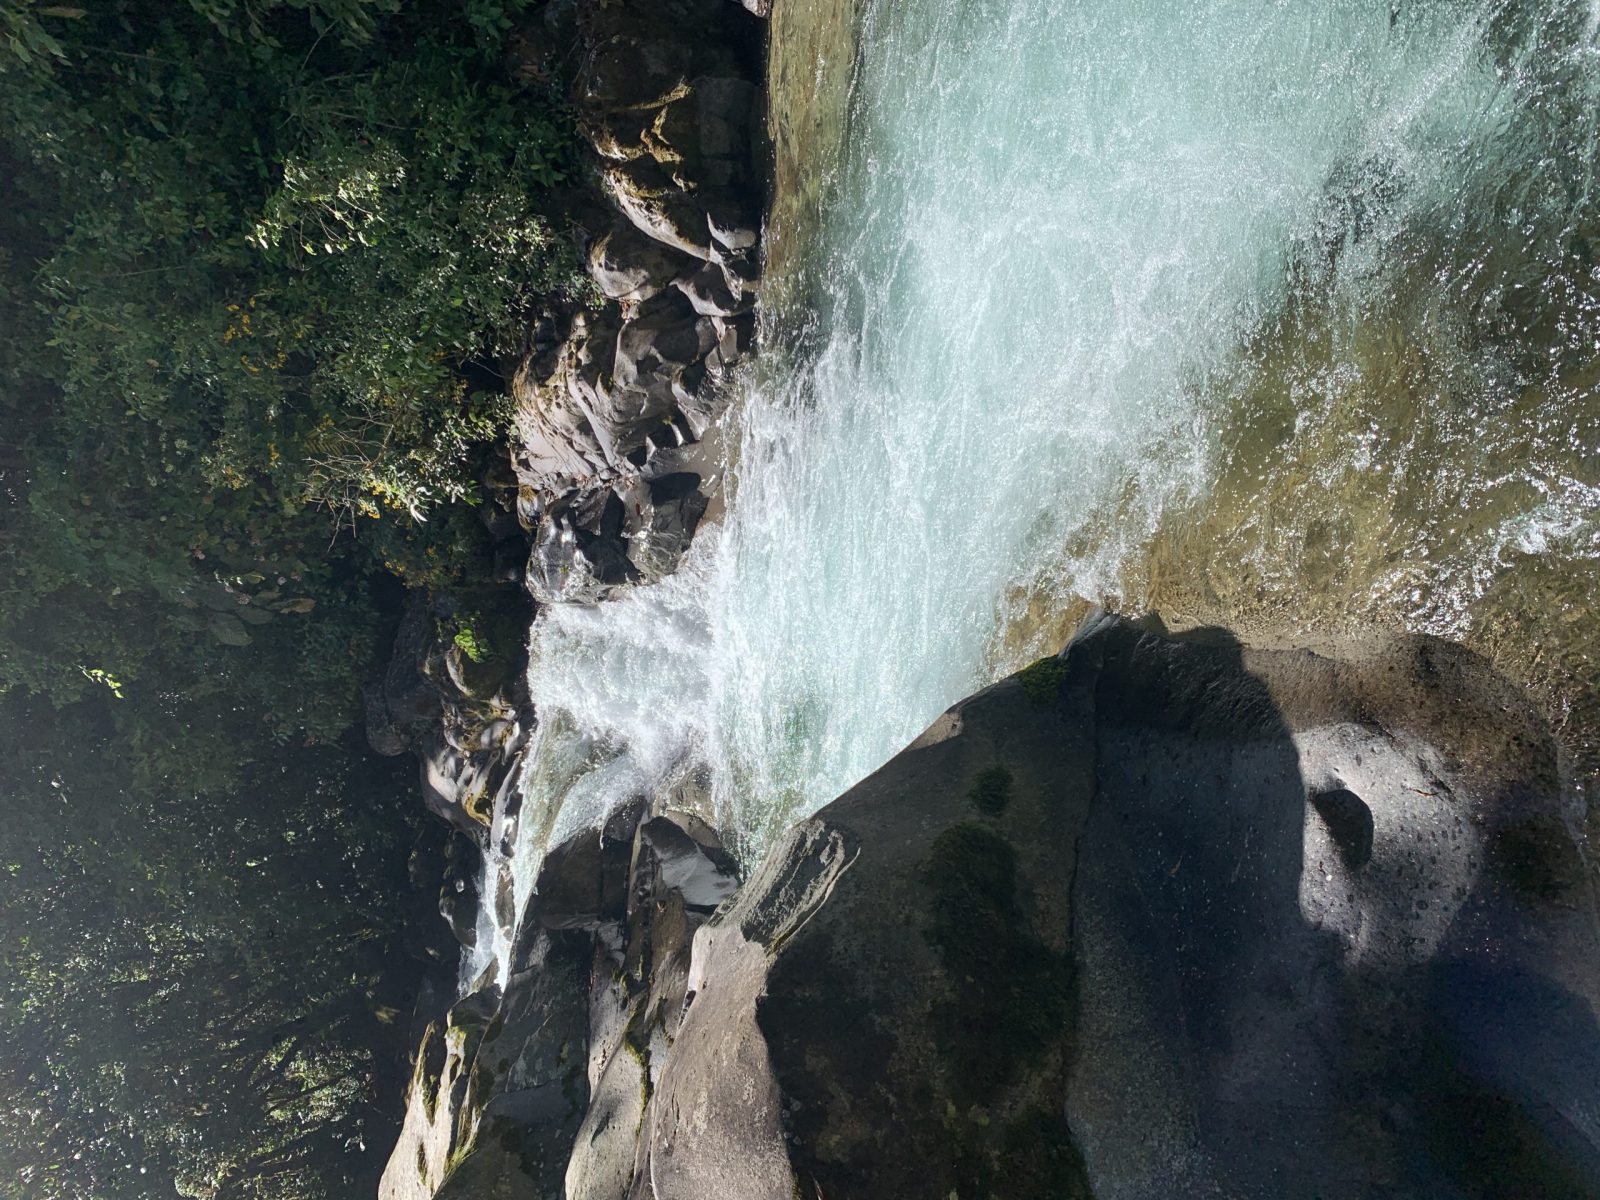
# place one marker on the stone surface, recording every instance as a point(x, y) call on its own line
point(498, 1093)
point(628, 266)
point(583, 883)
point(704, 875)
point(709, 295)
point(1109, 928)
point(668, 95)
point(1161, 916)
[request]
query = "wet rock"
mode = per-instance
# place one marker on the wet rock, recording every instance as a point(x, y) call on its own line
point(669, 98)
point(505, 910)
point(493, 1107)
point(700, 402)
point(467, 765)
point(666, 336)
point(703, 874)
point(703, 138)
point(625, 72)
point(736, 339)
point(475, 1009)
point(575, 565)
point(661, 516)
point(458, 895)
point(556, 441)
point(583, 883)
point(1245, 923)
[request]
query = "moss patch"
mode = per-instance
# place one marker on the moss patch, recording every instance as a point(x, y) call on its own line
point(991, 791)
point(1042, 681)
point(1010, 1017)
point(1013, 993)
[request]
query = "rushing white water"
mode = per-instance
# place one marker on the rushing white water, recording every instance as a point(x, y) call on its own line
point(1057, 223)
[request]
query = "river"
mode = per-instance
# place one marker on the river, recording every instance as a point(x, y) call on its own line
point(1277, 314)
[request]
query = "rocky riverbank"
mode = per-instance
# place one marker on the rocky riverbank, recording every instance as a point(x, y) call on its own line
point(614, 458)
point(612, 464)
point(1162, 914)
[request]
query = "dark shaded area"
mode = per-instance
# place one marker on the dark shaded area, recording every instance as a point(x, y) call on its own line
point(1511, 1069)
point(1350, 821)
point(204, 988)
point(991, 791)
point(1012, 991)
point(1222, 928)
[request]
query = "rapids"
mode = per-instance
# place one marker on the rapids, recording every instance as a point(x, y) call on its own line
point(1262, 312)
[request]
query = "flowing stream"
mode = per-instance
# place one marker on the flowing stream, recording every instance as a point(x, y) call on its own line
point(1277, 313)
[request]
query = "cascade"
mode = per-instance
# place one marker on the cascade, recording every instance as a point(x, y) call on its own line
point(1104, 287)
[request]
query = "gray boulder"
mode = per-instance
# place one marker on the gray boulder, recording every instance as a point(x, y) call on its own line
point(665, 336)
point(709, 295)
point(650, 196)
point(499, 1091)
point(1161, 917)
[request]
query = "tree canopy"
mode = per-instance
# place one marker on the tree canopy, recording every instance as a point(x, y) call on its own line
point(202, 992)
point(252, 253)
point(259, 260)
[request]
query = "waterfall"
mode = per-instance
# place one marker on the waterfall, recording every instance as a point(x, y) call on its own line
point(1066, 242)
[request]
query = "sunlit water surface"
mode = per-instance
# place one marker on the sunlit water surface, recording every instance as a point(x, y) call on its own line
point(1277, 314)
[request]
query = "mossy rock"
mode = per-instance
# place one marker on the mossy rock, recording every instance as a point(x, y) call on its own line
point(1042, 681)
point(991, 791)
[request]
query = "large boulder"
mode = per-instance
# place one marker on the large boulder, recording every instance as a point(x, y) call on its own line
point(1160, 917)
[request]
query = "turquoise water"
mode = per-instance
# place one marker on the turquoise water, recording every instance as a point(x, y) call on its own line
point(1057, 318)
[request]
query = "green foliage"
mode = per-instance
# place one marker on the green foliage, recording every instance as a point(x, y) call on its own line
point(258, 261)
point(472, 642)
point(255, 251)
point(24, 41)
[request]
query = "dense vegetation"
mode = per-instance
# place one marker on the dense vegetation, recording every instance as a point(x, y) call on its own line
point(258, 262)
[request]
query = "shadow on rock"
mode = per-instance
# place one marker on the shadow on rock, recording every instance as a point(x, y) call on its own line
point(1162, 916)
